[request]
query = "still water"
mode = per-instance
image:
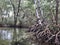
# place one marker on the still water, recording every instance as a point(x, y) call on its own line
point(7, 34)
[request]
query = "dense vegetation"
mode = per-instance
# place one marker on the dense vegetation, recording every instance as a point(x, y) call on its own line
point(40, 17)
point(23, 12)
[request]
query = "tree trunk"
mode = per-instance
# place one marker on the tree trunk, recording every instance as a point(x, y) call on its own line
point(37, 9)
point(15, 18)
point(39, 12)
point(56, 17)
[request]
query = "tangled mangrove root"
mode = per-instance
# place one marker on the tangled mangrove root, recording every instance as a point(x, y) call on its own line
point(49, 34)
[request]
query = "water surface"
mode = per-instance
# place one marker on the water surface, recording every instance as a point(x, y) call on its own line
point(7, 34)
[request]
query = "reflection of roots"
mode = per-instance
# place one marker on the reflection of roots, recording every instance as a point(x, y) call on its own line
point(45, 35)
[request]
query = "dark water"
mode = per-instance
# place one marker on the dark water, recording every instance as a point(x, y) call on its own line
point(7, 34)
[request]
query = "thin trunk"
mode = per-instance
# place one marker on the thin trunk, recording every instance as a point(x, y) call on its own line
point(56, 17)
point(15, 14)
point(14, 32)
point(15, 19)
point(37, 11)
point(13, 6)
point(18, 7)
point(41, 11)
point(17, 11)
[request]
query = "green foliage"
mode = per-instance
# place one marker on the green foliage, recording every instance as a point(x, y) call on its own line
point(49, 8)
point(26, 15)
point(27, 10)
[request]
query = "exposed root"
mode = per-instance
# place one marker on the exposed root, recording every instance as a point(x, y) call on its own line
point(44, 34)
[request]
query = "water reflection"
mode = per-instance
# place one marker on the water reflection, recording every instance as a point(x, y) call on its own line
point(8, 34)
